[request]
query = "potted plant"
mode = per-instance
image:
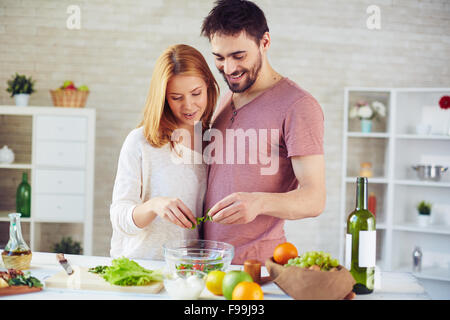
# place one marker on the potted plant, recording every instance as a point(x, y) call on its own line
point(424, 209)
point(68, 246)
point(20, 88)
point(366, 112)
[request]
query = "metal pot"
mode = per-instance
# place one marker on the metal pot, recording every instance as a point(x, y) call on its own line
point(429, 172)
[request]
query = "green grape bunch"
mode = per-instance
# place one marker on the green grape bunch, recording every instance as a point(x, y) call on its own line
point(315, 260)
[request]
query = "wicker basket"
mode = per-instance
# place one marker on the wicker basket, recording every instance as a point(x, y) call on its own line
point(69, 98)
point(21, 262)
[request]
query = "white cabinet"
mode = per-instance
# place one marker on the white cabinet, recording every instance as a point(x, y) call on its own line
point(60, 181)
point(61, 153)
point(64, 128)
point(59, 208)
point(393, 147)
point(58, 154)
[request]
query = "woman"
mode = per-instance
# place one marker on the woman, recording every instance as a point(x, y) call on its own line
point(156, 199)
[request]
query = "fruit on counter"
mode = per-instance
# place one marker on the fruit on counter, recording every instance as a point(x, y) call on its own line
point(214, 282)
point(283, 252)
point(67, 83)
point(246, 290)
point(70, 85)
point(231, 279)
point(314, 260)
point(126, 272)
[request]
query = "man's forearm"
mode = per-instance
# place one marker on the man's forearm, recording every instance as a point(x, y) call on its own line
point(305, 202)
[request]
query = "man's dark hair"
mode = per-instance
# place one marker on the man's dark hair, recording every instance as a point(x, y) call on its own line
point(230, 17)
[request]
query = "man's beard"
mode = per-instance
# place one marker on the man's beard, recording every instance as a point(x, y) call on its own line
point(252, 75)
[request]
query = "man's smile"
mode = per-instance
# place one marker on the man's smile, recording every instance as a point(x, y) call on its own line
point(236, 78)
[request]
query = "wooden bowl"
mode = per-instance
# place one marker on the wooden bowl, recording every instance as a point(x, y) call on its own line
point(304, 284)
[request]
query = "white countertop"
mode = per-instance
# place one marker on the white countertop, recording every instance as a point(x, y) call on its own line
point(391, 285)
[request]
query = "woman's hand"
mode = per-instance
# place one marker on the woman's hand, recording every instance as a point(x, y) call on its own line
point(174, 210)
point(171, 209)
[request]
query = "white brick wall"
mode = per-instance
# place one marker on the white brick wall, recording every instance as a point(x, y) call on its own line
point(322, 45)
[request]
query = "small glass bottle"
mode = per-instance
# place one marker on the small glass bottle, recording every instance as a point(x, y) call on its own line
point(417, 260)
point(23, 197)
point(17, 254)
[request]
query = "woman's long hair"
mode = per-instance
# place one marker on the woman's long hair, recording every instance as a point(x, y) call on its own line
point(158, 120)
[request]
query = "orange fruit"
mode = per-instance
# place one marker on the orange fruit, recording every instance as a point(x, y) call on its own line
point(283, 252)
point(246, 290)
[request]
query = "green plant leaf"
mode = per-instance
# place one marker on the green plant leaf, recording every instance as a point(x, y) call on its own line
point(199, 220)
point(68, 246)
point(20, 84)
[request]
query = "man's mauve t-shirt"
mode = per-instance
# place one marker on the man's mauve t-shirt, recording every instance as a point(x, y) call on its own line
point(296, 119)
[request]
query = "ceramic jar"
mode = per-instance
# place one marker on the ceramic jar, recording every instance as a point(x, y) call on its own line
point(6, 155)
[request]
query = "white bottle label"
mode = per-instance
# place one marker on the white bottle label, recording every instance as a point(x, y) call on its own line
point(348, 251)
point(367, 249)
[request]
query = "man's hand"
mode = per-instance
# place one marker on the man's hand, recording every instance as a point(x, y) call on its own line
point(238, 207)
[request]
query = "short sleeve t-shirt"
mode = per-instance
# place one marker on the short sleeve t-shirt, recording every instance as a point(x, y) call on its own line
point(250, 151)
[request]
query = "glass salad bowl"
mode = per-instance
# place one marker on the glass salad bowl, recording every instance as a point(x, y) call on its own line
point(203, 255)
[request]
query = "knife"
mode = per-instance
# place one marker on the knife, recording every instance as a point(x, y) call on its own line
point(64, 263)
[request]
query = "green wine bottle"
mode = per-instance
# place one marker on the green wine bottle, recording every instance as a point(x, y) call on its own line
point(23, 197)
point(360, 242)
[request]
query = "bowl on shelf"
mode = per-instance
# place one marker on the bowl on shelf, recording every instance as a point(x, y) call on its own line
point(203, 255)
point(429, 172)
point(423, 129)
point(185, 284)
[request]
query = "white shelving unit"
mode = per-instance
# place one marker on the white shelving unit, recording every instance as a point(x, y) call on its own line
point(56, 147)
point(393, 148)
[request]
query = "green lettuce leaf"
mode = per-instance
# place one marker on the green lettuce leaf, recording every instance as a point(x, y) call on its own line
point(126, 272)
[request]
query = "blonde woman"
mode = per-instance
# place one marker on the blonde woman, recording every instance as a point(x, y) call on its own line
point(156, 199)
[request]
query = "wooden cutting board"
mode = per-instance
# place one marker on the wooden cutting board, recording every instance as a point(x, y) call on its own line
point(82, 279)
point(18, 290)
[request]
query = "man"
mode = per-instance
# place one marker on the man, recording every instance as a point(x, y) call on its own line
point(248, 209)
